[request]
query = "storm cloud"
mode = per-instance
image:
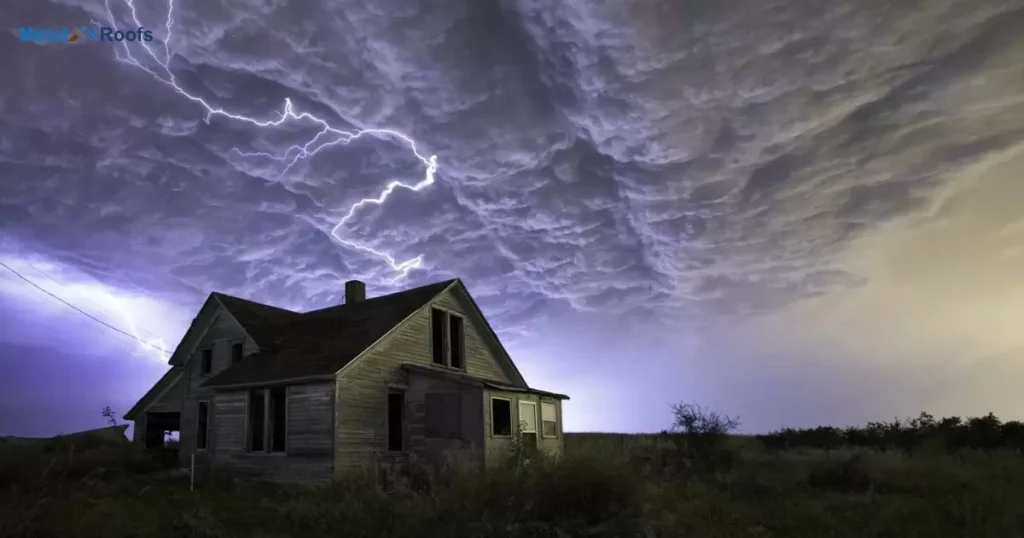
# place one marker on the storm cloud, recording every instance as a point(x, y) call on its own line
point(683, 174)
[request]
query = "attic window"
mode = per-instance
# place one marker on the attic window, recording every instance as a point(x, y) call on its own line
point(236, 352)
point(447, 337)
point(206, 363)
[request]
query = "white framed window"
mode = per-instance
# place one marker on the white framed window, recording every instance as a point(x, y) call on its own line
point(548, 419)
point(527, 417)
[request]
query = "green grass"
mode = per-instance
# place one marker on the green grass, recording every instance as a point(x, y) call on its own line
point(606, 485)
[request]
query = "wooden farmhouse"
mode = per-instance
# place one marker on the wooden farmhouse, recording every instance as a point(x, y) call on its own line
point(272, 394)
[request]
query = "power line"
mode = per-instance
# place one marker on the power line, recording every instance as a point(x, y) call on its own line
point(136, 333)
point(80, 311)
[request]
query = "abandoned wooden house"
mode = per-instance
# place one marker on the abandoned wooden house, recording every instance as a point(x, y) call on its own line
point(273, 394)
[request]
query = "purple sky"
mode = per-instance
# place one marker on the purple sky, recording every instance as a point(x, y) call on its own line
point(798, 213)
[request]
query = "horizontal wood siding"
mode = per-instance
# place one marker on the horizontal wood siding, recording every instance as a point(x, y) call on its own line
point(310, 421)
point(308, 456)
point(223, 332)
point(172, 399)
point(480, 360)
point(471, 442)
point(497, 447)
point(361, 409)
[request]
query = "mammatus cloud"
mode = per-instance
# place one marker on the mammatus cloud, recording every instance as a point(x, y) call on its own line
point(675, 165)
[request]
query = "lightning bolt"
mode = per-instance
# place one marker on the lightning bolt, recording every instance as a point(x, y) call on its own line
point(327, 137)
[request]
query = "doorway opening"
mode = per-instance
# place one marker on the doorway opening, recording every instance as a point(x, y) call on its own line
point(396, 420)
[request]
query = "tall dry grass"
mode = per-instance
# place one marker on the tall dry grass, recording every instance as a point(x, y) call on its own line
point(605, 485)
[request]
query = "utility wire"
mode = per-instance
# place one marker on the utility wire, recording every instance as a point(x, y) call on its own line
point(80, 311)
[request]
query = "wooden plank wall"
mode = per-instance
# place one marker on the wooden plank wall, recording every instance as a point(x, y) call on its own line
point(224, 331)
point(309, 451)
point(171, 401)
point(361, 409)
point(498, 447)
point(470, 445)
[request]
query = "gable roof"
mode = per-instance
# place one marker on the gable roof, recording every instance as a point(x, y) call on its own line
point(318, 344)
point(263, 323)
point(159, 388)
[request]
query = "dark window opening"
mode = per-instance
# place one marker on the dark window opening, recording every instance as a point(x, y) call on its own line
point(501, 417)
point(202, 424)
point(236, 352)
point(396, 421)
point(257, 420)
point(206, 364)
point(443, 415)
point(437, 327)
point(277, 419)
point(455, 341)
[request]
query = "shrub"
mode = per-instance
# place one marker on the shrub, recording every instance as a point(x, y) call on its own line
point(703, 436)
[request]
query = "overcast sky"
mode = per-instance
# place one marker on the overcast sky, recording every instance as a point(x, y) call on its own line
point(796, 212)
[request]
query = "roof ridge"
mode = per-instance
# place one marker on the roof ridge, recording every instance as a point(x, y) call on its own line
point(379, 297)
point(250, 301)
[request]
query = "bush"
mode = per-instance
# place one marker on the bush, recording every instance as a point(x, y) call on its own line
point(984, 433)
point(703, 437)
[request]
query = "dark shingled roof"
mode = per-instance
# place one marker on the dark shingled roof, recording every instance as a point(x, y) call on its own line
point(261, 322)
point(317, 343)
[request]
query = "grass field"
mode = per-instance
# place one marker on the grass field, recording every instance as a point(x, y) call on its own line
point(606, 485)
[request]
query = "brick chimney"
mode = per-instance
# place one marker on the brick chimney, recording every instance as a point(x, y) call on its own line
point(355, 291)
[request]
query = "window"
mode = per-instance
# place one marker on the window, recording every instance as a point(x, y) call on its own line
point(396, 420)
point(454, 341)
point(437, 326)
point(528, 427)
point(447, 339)
point(206, 363)
point(276, 422)
point(528, 417)
point(443, 415)
point(501, 416)
point(236, 352)
point(257, 420)
point(548, 420)
point(267, 420)
point(203, 425)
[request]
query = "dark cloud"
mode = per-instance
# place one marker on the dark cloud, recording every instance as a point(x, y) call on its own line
point(676, 162)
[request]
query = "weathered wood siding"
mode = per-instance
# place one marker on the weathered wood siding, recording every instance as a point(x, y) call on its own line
point(171, 401)
point(362, 387)
point(308, 456)
point(223, 332)
point(481, 361)
point(497, 447)
point(471, 442)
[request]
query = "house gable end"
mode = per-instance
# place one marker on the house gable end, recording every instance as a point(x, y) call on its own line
point(156, 393)
point(458, 300)
point(409, 341)
point(211, 313)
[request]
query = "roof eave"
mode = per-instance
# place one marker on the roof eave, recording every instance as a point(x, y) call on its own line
point(267, 383)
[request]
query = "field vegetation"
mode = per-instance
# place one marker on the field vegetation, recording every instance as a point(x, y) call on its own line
point(914, 478)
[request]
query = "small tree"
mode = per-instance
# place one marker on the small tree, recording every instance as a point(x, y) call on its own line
point(109, 415)
point(702, 435)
